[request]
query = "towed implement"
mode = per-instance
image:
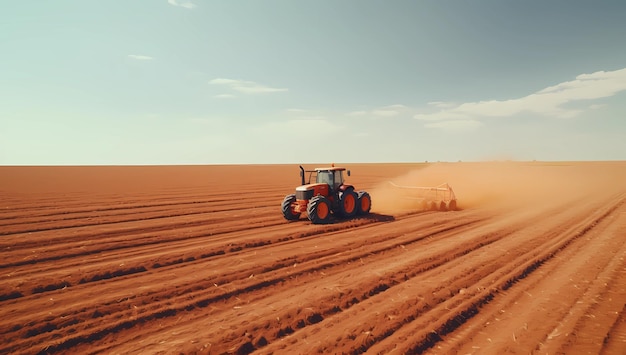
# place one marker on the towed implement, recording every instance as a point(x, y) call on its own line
point(328, 195)
point(437, 198)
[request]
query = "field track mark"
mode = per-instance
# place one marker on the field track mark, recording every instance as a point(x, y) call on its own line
point(56, 214)
point(615, 340)
point(604, 293)
point(97, 220)
point(452, 316)
point(37, 207)
point(433, 312)
point(321, 229)
point(349, 300)
point(351, 296)
point(199, 244)
point(300, 321)
point(505, 318)
point(248, 286)
point(147, 231)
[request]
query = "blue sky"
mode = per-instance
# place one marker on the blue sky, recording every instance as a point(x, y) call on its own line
point(231, 82)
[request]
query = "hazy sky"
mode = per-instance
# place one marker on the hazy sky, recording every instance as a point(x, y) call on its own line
point(213, 82)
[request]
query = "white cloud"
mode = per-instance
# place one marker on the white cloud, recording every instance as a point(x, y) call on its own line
point(295, 110)
point(246, 87)
point(547, 102)
point(140, 57)
point(185, 4)
point(224, 96)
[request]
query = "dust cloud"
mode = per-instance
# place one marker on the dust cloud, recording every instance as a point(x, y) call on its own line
point(505, 184)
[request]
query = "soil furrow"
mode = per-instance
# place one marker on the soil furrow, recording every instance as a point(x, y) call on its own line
point(198, 259)
point(462, 294)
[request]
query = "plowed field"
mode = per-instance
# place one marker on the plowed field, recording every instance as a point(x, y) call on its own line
point(198, 259)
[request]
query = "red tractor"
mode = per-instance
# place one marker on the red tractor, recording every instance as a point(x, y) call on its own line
point(329, 194)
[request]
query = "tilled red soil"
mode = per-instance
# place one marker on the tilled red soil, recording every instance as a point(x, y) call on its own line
point(198, 259)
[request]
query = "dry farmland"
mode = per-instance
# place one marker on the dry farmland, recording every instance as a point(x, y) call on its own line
point(198, 259)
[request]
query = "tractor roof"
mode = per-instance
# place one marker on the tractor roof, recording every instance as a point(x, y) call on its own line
point(332, 168)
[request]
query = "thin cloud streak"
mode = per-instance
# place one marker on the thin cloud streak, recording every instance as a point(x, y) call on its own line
point(140, 57)
point(186, 4)
point(246, 87)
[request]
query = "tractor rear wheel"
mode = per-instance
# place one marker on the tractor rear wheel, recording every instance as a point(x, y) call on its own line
point(452, 205)
point(442, 206)
point(287, 209)
point(364, 202)
point(348, 203)
point(318, 210)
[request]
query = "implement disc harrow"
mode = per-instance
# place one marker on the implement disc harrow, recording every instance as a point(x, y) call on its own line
point(437, 198)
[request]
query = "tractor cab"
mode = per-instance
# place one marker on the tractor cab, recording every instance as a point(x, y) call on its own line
point(331, 176)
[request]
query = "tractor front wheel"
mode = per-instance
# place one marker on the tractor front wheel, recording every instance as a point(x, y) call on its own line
point(364, 202)
point(318, 210)
point(348, 203)
point(287, 208)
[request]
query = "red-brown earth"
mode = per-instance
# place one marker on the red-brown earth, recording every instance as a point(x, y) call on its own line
point(198, 259)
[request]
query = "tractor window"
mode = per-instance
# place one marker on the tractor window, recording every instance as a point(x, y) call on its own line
point(338, 178)
point(325, 177)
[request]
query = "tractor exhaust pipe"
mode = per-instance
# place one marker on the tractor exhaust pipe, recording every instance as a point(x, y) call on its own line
point(302, 174)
